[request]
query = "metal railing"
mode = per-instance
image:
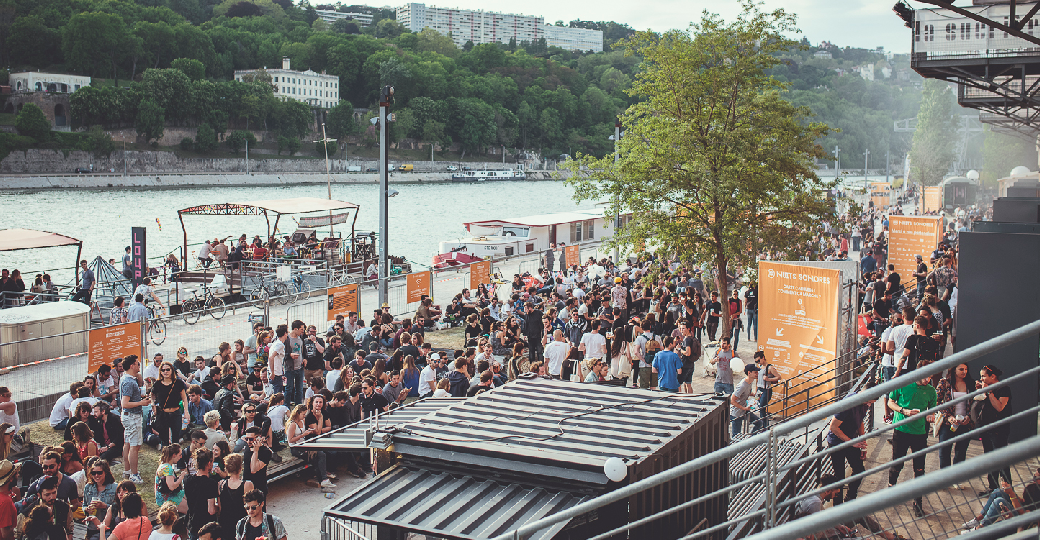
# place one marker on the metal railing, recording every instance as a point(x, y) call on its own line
point(852, 509)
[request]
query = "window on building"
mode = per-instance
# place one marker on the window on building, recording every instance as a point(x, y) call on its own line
point(576, 232)
point(589, 230)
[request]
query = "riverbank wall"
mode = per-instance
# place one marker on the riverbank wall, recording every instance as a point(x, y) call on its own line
point(175, 181)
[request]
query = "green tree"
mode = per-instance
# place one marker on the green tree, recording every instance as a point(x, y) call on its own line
point(31, 42)
point(205, 139)
point(294, 118)
point(433, 41)
point(96, 42)
point(932, 151)
point(99, 142)
point(237, 140)
point(340, 122)
point(1001, 153)
point(151, 120)
point(92, 105)
point(191, 67)
point(720, 166)
point(31, 122)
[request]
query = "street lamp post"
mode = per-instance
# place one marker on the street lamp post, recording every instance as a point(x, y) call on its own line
point(325, 140)
point(617, 211)
point(866, 163)
point(837, 162)
point(386, 94)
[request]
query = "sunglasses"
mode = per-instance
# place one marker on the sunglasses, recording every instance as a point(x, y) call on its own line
point(250, 410)
point(97, 473)
point(50, 467)
point(252, 506)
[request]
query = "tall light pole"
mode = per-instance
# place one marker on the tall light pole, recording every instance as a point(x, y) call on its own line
point(386, 94)
point(866, 163)
point(617, 212)
point(325, 140)
point(837, 162)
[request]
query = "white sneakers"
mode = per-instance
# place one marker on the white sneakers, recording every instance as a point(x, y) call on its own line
point(326, 483)
point(971, 524)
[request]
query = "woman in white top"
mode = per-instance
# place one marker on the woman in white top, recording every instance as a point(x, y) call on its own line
point(167, 517)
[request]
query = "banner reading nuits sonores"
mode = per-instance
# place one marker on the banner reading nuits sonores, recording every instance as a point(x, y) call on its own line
point(418, 286)
point(909, 236)
point(798, 314)
point(479, 273)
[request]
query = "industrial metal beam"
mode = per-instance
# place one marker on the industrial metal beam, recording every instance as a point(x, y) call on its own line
point(1017, 32)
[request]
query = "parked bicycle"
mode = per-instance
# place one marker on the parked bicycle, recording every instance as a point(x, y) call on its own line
point(269, 291)
point(297, 287)
point(156, 326)
point(195, 307)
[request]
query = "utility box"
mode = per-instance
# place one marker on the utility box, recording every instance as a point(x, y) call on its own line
point(19, 324)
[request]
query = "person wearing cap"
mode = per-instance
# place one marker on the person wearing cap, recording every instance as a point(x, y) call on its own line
point(619, 297)
point(739, 410)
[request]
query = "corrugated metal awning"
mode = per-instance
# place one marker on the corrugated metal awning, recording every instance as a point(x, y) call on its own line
point(452, 506)
point(353, 437)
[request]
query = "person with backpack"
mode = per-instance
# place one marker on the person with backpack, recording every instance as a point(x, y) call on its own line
point(919, 348)
point(257, 523)
point(224, 402)
point(647, 347)
point(767, 377)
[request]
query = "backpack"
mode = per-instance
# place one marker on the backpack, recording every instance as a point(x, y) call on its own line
point(651, 349)
point(240, 529)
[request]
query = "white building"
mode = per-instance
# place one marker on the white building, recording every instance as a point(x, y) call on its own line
point(315, 89)
point(35, 81)
point(330, 16)
point(823, 55)
point(574, 39)
point(478, 26)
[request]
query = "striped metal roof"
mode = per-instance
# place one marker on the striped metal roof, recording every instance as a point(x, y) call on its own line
point(353, 437)
point(452, 506)
point(570, 429)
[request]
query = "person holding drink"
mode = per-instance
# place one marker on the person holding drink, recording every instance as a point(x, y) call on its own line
point(98, 494)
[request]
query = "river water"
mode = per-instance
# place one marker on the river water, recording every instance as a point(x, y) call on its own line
point(421, 215)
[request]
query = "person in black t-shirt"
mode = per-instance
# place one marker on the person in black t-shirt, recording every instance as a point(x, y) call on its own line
point(201, 493)
point(689, 351)
point(372, 402)
point(892, 281)
point(918, 348)
point(996, 406)
point(255, 458)
point(751, 308)
point(713, 312)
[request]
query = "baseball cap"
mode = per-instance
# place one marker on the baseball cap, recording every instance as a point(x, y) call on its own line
point(435, 356)
point(751, 368)
point(617, 280)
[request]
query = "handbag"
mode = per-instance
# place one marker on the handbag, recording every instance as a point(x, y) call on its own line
point(937, 423)
point(624, 367)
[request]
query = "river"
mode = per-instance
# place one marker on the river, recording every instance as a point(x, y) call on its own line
point(421, 215)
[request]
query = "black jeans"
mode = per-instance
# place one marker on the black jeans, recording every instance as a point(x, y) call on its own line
point(83, 295)
point(854, 457)
point(535, 349)
point(959, 450)
point(169, 427)
point(712, 328)
point(993, 440)
point(900, 443)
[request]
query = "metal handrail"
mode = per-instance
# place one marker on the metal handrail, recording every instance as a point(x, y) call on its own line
point(902, 492)
point(802, 422)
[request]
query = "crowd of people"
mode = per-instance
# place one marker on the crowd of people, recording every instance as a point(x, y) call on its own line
point(220, 422)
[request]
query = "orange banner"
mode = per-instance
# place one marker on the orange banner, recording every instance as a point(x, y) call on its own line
point(799, 323)
point(880, 193)
point(909, 236)
point(479, 273)
point(573, 255)
point(342, 300)
point(418, 286)
point(113, 342)
point(931, 199)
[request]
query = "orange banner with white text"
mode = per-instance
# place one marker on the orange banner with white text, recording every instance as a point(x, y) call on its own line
point(573, 254)
point(112, 343)
point(931, 199)
point(418, 286)
point(880, 193)
point(798, 314)
point(479, 273)
point(909, 236)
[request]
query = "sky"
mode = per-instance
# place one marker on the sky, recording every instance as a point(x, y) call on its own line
point(853, 23)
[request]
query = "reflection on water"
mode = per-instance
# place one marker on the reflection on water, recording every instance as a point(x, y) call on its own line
point(420, 216)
